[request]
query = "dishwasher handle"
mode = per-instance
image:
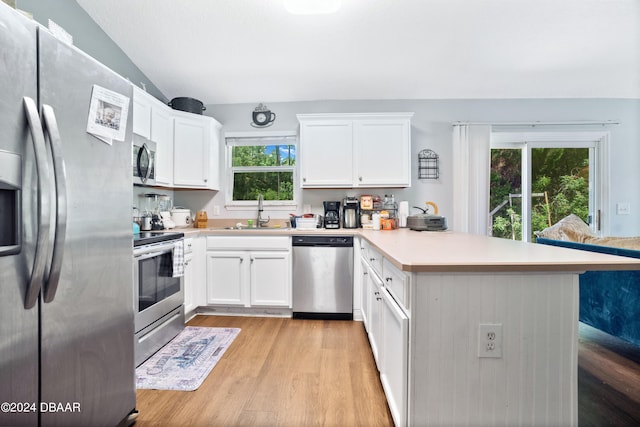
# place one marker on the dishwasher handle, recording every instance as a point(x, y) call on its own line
point(323, 241)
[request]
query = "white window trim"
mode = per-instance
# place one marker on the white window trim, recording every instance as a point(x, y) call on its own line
point(257, 138)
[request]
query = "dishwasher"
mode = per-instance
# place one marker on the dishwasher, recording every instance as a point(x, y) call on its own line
point(323, 277)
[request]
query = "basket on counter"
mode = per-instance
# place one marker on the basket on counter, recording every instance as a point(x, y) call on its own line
point(306, 222)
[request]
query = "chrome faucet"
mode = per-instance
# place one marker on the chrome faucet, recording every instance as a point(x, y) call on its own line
point(259, 221)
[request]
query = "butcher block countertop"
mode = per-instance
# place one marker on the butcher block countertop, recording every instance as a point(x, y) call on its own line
point(453, 252)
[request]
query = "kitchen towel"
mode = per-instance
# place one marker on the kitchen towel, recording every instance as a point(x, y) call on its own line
point(178, 259)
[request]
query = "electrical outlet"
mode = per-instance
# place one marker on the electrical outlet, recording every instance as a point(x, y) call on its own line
point(490, 340)
point(623, 208)
point(216, 209)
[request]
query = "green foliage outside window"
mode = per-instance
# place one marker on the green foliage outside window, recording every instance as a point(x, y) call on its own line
point(560, 181)
point(263, 169)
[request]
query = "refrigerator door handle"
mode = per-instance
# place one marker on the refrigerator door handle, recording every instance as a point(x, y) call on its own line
point(60, 176)
point(43, 249)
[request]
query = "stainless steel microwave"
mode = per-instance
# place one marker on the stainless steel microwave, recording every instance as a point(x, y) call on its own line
point(144, 162)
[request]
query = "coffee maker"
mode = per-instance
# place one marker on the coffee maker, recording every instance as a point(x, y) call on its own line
point(331, 214)
point(350, 214)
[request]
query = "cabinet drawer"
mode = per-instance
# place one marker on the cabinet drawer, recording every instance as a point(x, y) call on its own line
point(249, 242)
point(188, 245)
point(396, 282)
point(373, 257)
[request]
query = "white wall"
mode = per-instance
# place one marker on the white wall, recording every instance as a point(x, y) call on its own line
point(431, 128)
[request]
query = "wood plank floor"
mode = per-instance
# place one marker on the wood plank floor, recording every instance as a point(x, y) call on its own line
point(286, 372)
point(279, 372)
point(608, 380)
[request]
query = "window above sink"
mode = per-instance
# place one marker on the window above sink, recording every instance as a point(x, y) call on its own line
point(261, 163)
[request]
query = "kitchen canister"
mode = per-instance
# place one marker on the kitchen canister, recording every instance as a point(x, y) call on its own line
point(201, 219)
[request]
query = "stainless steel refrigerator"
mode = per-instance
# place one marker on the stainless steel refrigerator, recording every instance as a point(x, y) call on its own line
point(66, 297)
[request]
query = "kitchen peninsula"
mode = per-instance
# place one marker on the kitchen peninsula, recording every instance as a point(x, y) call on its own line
point(451, 284)
point(528, 295)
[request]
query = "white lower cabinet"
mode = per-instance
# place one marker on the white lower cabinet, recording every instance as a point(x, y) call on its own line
point(188, 282)
point(270, 279)
point(364, 287)
point(194, 275)
point(227, 278)
point(394, 369)
point(375, 318)
point(249, 279)
point(257, 276)
point(387, 325)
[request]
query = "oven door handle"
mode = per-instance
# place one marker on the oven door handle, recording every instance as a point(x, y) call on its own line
point(153, 254)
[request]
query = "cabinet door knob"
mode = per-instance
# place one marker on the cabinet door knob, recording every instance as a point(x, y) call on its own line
point(304, 179)
point(360, 178)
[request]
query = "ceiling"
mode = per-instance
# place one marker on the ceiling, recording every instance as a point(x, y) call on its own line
point(237, 51)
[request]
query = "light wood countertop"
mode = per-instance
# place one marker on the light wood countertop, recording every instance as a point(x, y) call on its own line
point(448, 251)
point(452, 252)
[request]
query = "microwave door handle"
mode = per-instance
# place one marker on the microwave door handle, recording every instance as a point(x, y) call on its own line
point(144, 149)
point(60, 175)
point(42, 250)
point(150, 156)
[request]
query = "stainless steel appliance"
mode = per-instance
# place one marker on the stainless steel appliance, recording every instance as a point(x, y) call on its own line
point(144, 161)
point(426, 222)
point(331, 214)
point(351, 213)
point(66, 303)
point(323, 277)
point(158, 290)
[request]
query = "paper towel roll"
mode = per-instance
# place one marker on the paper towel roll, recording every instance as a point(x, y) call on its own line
point(403, 207)
point(403, 213)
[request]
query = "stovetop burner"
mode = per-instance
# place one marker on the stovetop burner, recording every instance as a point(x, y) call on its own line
point(148, 237)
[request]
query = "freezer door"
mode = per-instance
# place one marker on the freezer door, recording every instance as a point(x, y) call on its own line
point(18, 326)
point(87, 327)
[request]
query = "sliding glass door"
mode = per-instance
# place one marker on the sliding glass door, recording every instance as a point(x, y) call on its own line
point(535, 182)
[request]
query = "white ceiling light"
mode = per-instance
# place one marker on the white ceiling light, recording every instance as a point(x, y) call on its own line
point(312, 7)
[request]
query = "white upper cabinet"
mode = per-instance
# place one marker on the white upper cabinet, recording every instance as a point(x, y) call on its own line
point(355, 150)
point(383, 152)
point(195, 151)
point(153, 120)
point(162, 135)
point(326, 157)
point(187, 144)
point(142, 112)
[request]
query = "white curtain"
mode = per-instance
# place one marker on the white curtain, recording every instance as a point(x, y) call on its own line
point(471, 163)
